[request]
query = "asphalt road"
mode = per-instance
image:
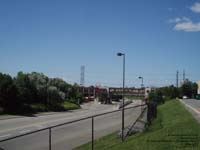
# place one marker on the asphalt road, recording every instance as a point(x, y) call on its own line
point(64, 137)
point(195, 104)
point(193, 107)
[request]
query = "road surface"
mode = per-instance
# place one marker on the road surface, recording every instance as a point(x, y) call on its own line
point(193, 106)
point(64, 137)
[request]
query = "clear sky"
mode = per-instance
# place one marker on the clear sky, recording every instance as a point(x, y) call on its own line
point(57, 37)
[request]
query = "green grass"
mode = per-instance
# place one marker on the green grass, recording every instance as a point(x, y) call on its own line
point(134, 97)
point(173, 129)
point(39, 108)
point(70, 106)
point(65, 106)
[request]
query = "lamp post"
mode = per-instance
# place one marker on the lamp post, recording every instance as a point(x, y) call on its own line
point(122, 54)
point(142, 85)
point(142, 81)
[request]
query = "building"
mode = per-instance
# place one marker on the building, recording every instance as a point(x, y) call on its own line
point(91, 92)
point(140, 92)
point(113, 93)
point(86, 91)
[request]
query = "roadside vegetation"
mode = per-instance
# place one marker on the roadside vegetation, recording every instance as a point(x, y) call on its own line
point(70, 106)
point(134, 97)
point(35, 92)
point(173, 129)
point(160, 95)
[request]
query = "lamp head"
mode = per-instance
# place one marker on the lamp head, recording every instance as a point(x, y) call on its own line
point(119, 54)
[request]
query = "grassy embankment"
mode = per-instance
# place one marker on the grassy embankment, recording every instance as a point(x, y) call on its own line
point(173, 129)
point(64, 107)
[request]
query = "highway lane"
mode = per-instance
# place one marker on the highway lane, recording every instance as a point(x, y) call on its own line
point(72, 135)
point(16, 126)
point(193, 103)
point(193, 106)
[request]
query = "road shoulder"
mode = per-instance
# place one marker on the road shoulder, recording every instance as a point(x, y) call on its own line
point(195, 113)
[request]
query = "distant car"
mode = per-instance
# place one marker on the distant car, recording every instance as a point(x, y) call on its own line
point(185, 97)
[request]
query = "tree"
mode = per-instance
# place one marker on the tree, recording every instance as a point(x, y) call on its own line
point(41, 83)
point(74, 96)
point(60, 84)
point(194, 89)
point(103, 98)
point(8, 94)
point(189, 89)
point(30, 89)
point(156, 97)
point(55, 97)
point(170, 92)
point(27, 90)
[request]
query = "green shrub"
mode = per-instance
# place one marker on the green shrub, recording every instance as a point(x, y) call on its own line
point(70, 106)
point(156, 97)
point(39, 108)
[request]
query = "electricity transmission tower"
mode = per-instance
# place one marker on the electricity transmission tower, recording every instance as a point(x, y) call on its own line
point(82, 79)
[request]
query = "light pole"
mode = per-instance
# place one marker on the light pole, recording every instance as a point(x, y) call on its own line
point(142, 85)
point(142, 81)
point(123, 54)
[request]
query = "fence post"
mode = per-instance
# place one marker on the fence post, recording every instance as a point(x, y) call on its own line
point(148, 113)
point(92, 133)
point(49, 138)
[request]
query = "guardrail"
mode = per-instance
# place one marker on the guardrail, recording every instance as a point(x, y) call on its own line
point(70, 122)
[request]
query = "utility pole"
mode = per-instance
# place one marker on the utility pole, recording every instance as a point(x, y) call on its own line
point(183, 76)
point(177, 73)
point(142, 85)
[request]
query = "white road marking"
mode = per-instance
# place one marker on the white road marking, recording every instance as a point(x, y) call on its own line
point(3, 136)
point(195, 110)
point(24, 131)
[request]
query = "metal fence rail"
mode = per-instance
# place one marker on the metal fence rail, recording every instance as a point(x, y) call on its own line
point(49, 129)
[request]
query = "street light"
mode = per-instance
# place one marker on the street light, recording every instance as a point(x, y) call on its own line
point(142, 81)
point(142, 85)
point(122, 54)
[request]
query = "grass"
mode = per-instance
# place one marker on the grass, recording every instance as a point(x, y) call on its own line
point(65, 106)
point(134, 97)
point(173, 129)
point(70, 106)
point(39, 108)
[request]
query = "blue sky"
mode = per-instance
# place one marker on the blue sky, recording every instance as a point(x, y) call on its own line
point(57, 37)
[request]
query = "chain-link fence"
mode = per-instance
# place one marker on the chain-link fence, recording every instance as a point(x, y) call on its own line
point(69, 135)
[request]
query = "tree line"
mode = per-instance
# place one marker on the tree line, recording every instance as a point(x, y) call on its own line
point(162, 94)
point(18, 94)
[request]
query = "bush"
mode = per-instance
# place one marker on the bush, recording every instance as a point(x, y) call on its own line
point(156, 97)
point(70, 106)
point(39, 108)
point(35, 92)
point(9, 101)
